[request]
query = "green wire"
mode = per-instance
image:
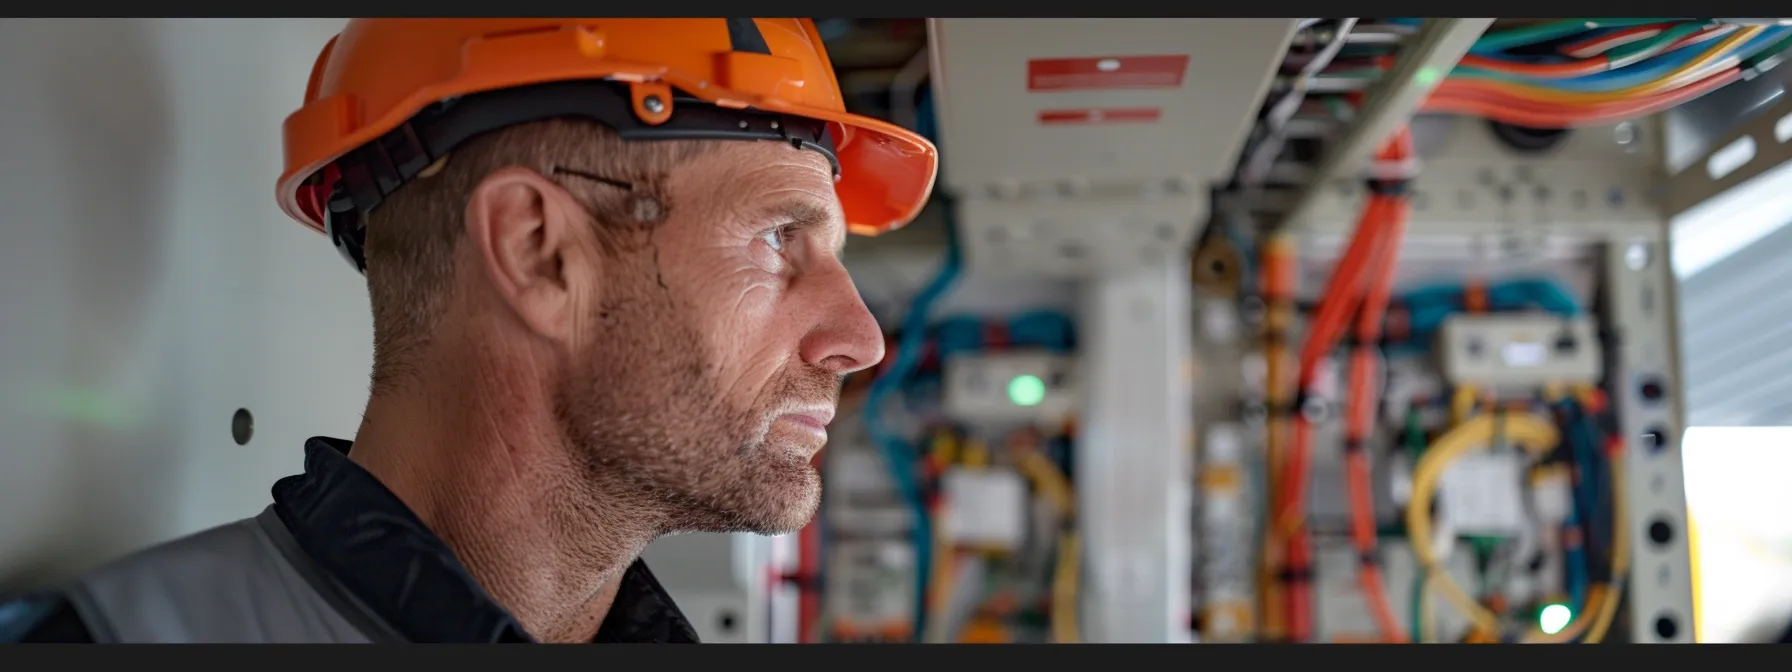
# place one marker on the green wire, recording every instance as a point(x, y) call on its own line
point(1418, 602)
point(1765, 56)
point(1414, 436)
point(1543, 32)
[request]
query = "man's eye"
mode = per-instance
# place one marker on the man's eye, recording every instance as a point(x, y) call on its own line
point(776, 237)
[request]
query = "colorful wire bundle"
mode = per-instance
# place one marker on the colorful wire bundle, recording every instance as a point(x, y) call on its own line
point(1579, 72)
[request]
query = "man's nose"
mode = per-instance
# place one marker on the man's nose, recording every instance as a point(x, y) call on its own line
point(846, 337)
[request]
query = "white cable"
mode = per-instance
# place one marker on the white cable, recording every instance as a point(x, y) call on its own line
point(905, 89)
point(1263, 156)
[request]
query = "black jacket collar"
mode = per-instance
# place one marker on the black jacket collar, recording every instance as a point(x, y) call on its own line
point(359, 532)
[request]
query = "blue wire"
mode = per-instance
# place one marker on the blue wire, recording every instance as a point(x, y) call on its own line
point(959, 333)
point(898, 453)
point(1575, 575)
point(1583, 503)
point(1599, 517)
point(1046, 329)
point(1428, 307)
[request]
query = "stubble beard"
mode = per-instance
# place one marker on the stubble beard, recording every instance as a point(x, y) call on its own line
point(649, 428)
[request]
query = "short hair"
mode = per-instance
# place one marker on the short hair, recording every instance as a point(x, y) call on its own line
point(412, 236)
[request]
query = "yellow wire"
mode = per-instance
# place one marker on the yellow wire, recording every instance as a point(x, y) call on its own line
point(1462, 403)
point(1064, 589)
point(974, 454)
point(945, 447)
point(1534, 434)
point(944, 565)
point(1602, 599)
point(1693, 550)
point(1674, 79)
point(1065, 580)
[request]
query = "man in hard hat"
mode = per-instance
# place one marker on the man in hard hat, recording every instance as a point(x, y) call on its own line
point(603, 257)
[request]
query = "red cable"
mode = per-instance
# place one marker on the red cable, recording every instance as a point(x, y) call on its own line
point(1360, 415)
point(1342, 293)
point(1616, 38)
point(1369, 245)
point(1334, 310)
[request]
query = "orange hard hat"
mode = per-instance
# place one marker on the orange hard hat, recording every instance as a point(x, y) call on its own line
point(388, 97)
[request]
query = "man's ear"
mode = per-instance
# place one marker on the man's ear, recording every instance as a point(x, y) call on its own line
point(524, 230)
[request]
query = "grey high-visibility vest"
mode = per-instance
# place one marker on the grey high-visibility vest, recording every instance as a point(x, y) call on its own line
point(244, 582)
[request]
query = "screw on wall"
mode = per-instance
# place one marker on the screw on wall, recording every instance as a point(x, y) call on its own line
point(242, 426)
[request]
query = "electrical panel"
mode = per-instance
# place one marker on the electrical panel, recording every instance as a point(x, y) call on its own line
point(1011, 386)
point(1519, 351)
point(965, 460)
point(1437, 344)
point(1425, 385)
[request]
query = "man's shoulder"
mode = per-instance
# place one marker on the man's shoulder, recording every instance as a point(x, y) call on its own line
point(192, 563)
point(42, 618)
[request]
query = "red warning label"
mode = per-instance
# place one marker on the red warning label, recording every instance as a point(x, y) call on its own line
point(1113, 115)
point(1106, 72)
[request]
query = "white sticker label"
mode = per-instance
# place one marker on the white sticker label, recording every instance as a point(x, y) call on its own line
point(1481, 494)
point(985, 507)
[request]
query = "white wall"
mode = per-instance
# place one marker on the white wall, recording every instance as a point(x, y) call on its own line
point(149, 287)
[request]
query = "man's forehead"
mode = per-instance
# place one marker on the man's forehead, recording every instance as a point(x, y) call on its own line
point(771, 180)
point(757, 158)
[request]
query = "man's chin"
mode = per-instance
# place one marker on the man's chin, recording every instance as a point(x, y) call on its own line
point(788, 499)
point(797, 499)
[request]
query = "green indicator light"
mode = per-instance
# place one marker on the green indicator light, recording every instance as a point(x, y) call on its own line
point(1026, 390)
point(1553, 618)
point(1428, 76)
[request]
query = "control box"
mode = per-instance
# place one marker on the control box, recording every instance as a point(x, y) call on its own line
point(1519, 351)
point(1019, 386)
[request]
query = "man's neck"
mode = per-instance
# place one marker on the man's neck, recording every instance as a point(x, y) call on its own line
point(481, 462)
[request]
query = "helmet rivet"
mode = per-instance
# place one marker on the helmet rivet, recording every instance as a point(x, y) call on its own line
point(653, 104)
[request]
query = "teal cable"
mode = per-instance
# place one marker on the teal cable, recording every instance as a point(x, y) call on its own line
point(1495, 42)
